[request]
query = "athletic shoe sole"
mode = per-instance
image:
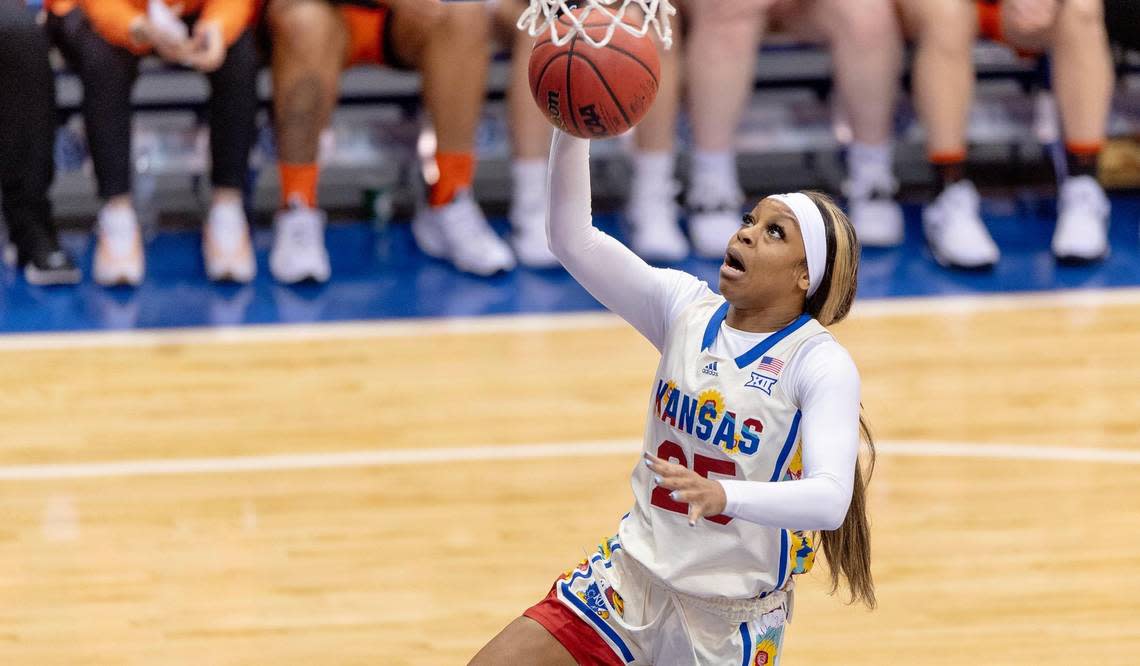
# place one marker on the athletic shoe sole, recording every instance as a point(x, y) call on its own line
point(49, 278)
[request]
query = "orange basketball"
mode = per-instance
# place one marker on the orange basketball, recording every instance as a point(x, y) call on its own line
point(594, 92)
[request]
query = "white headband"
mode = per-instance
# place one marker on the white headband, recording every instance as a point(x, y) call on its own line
point(813, 232)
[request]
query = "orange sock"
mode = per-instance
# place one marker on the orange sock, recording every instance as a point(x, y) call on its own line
point(1084, 147)
point(948, 156)
point(456, 171)
point(989, 20)
point(299, 180)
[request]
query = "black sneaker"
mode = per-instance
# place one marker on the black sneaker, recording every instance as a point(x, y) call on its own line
point(44, 263)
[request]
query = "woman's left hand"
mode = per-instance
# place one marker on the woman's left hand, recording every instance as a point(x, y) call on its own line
point(705, 497)
point(207, 48)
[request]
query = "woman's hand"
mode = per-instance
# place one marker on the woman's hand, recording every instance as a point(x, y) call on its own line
point(705, 497)
point(207, 48)
point(168, 44)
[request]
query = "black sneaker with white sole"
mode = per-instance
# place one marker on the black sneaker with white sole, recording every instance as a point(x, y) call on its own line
point(38, 254)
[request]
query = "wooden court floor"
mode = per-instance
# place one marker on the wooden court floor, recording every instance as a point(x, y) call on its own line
point(395, 494)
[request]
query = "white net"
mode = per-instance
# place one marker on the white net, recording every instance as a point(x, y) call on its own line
point(634, 16)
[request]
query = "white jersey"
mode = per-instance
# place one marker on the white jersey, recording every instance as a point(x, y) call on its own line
point(724, 418)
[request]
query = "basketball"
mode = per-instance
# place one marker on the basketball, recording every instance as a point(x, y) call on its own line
point(594, 92)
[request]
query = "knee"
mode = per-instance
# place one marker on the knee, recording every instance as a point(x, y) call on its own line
point(462, 28)
point(303, 26)
point(464, 20)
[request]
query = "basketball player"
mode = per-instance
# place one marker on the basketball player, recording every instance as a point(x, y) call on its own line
point(447, 42)
point(651, 211)
point(866, 50)
point(751, 390)
point(1074, 30)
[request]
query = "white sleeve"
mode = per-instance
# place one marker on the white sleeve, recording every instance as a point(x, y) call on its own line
point(827, 389)
point(646, 297)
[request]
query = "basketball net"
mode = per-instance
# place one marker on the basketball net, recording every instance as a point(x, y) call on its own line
point(542, 16)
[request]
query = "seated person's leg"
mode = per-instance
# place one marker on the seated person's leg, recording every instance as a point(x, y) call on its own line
point(530, 144)
point(226, 246)
point(309, 43)
point(866, 46)
point(1083, 82)
point(108, 74)
point(652, 210)
point(720, 63)
point(943, 85)
point(27, 137)
point(449, 44)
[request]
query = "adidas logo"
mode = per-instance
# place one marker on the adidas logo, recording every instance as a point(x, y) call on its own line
point(710, 369)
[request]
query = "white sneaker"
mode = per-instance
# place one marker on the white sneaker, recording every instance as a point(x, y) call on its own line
point(654, 221)
point(119, 257)
point(714, 216)
point(954, 229)
point(299, 245)
point(226, 248)
point(1082, 221)
point(528, 236)
point(876, 216)
point(459, 233)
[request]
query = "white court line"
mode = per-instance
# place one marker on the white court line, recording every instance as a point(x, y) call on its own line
point(624, 447)
point(490, 324)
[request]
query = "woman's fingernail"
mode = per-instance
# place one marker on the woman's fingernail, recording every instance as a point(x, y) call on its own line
point(648, 462)
point(656, 479)
point(676, 495)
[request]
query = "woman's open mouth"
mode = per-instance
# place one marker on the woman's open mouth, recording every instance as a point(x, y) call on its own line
point(733, 266)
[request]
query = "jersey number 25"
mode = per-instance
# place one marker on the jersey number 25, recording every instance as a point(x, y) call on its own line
point(702, 465)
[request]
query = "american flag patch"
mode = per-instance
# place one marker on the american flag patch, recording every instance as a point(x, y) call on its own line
point(772, 365)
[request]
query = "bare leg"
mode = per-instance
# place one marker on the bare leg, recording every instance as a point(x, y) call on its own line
point(657, 132)
point(529, 130)
point(309, 45)
point(720, 62)
point(309, 40)
point(943, 68)
point(523, 641)
point(866, 47)
point(1083, 79)
point(450, 48)
point(449, 44)
point(652, 211)
point(1082, 71)
point(943, 90)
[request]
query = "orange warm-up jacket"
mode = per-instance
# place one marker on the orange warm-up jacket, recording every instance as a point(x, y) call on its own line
point(112, 18)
